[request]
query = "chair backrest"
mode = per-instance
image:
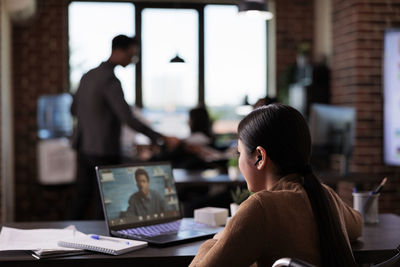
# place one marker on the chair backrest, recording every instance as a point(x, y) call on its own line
point(392, 262)
point(291, 262)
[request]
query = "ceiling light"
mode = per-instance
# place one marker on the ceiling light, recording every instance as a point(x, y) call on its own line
point(255, 9)
point(177, 59)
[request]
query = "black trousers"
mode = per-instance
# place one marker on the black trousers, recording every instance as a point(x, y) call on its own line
point(86, 204)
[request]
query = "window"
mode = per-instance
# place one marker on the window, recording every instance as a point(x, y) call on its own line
point(235, 62)
point(91, 29)
point(224, 69)
point(165, 33)
point(235, 57)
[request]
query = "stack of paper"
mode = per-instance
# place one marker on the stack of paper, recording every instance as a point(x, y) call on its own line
point(42, 242)
point(63, 242)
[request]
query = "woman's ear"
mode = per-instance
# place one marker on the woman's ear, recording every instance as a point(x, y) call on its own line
point(261, 157)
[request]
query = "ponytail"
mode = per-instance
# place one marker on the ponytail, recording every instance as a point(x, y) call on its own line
point(283, 132)
point(334, 248)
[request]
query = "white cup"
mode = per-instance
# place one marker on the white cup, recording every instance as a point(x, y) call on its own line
point(367, 204)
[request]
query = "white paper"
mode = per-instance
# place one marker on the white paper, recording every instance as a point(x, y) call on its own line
point(39, 240)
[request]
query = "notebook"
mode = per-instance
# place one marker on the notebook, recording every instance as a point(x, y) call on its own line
point(104, 244)
point(140, 202)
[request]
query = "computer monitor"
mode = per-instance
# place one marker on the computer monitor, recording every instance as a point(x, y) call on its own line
point(391, 80)
point(332, 130)
point(53, 116)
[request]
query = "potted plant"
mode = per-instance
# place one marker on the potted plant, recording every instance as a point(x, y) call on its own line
point(233, 169)
point(238, 196)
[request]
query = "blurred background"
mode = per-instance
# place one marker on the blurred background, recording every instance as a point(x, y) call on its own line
point(326, 58)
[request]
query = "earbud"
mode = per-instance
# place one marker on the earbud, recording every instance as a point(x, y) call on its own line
point(259, 158)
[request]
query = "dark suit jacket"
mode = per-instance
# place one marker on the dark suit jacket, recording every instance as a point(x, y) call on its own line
point(101, 109)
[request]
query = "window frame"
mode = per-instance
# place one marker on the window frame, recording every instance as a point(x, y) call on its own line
point(199, 7)
point(139, 7)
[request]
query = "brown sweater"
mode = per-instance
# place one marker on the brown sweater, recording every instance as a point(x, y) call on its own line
point(274, 224)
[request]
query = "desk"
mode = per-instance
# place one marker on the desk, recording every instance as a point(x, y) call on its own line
point(197, 178)
point(378, 242)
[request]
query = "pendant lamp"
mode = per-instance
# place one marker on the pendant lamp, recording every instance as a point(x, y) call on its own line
point(256, 8)
point(177, 59)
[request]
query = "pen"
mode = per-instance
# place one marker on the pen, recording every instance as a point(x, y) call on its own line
point(375, 192)
point(98, 237)
point(379, 188)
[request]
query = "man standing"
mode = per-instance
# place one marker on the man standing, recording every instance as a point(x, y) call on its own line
point(145, 202)
point(100, 109)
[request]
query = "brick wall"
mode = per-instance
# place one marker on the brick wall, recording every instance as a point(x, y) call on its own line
point(294, 26)
point(40, 58)
point(358, 31)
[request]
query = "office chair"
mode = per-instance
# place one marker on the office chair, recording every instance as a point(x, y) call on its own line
point(291, 262)
point(392, 262)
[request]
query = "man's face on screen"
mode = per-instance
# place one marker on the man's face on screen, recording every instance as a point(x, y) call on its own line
point(142, 184)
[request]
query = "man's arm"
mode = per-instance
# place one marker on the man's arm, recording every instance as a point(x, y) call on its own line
point(162, 203)
point(132, 210)
point(115, 98)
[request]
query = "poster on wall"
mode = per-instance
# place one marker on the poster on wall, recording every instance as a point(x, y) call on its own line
point(391, 73)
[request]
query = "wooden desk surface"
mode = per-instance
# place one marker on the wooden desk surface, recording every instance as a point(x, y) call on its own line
point(378, 243)
point(177, 255)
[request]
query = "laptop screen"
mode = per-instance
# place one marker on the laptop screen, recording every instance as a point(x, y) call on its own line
point(138, 194)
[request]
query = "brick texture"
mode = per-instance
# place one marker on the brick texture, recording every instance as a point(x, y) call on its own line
point(40, 66)
point(358, 31)
point(294, 27)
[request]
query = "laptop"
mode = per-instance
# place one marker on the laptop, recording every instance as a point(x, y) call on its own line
point(140, 202)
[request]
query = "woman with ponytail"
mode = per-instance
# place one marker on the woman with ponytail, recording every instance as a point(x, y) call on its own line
point(291, 213)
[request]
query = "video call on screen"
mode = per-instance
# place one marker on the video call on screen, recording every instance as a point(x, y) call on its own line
point(125, 196)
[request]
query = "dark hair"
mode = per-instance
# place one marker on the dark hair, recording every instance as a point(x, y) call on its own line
point(200, 121)
point(265, 101)
point(123, 42)
point(141, 172)
point(283, 132)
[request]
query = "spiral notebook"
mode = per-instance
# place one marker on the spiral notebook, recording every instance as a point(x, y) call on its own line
point(104, 244)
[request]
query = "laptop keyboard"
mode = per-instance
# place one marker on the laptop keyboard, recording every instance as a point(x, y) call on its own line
point(158, 229)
